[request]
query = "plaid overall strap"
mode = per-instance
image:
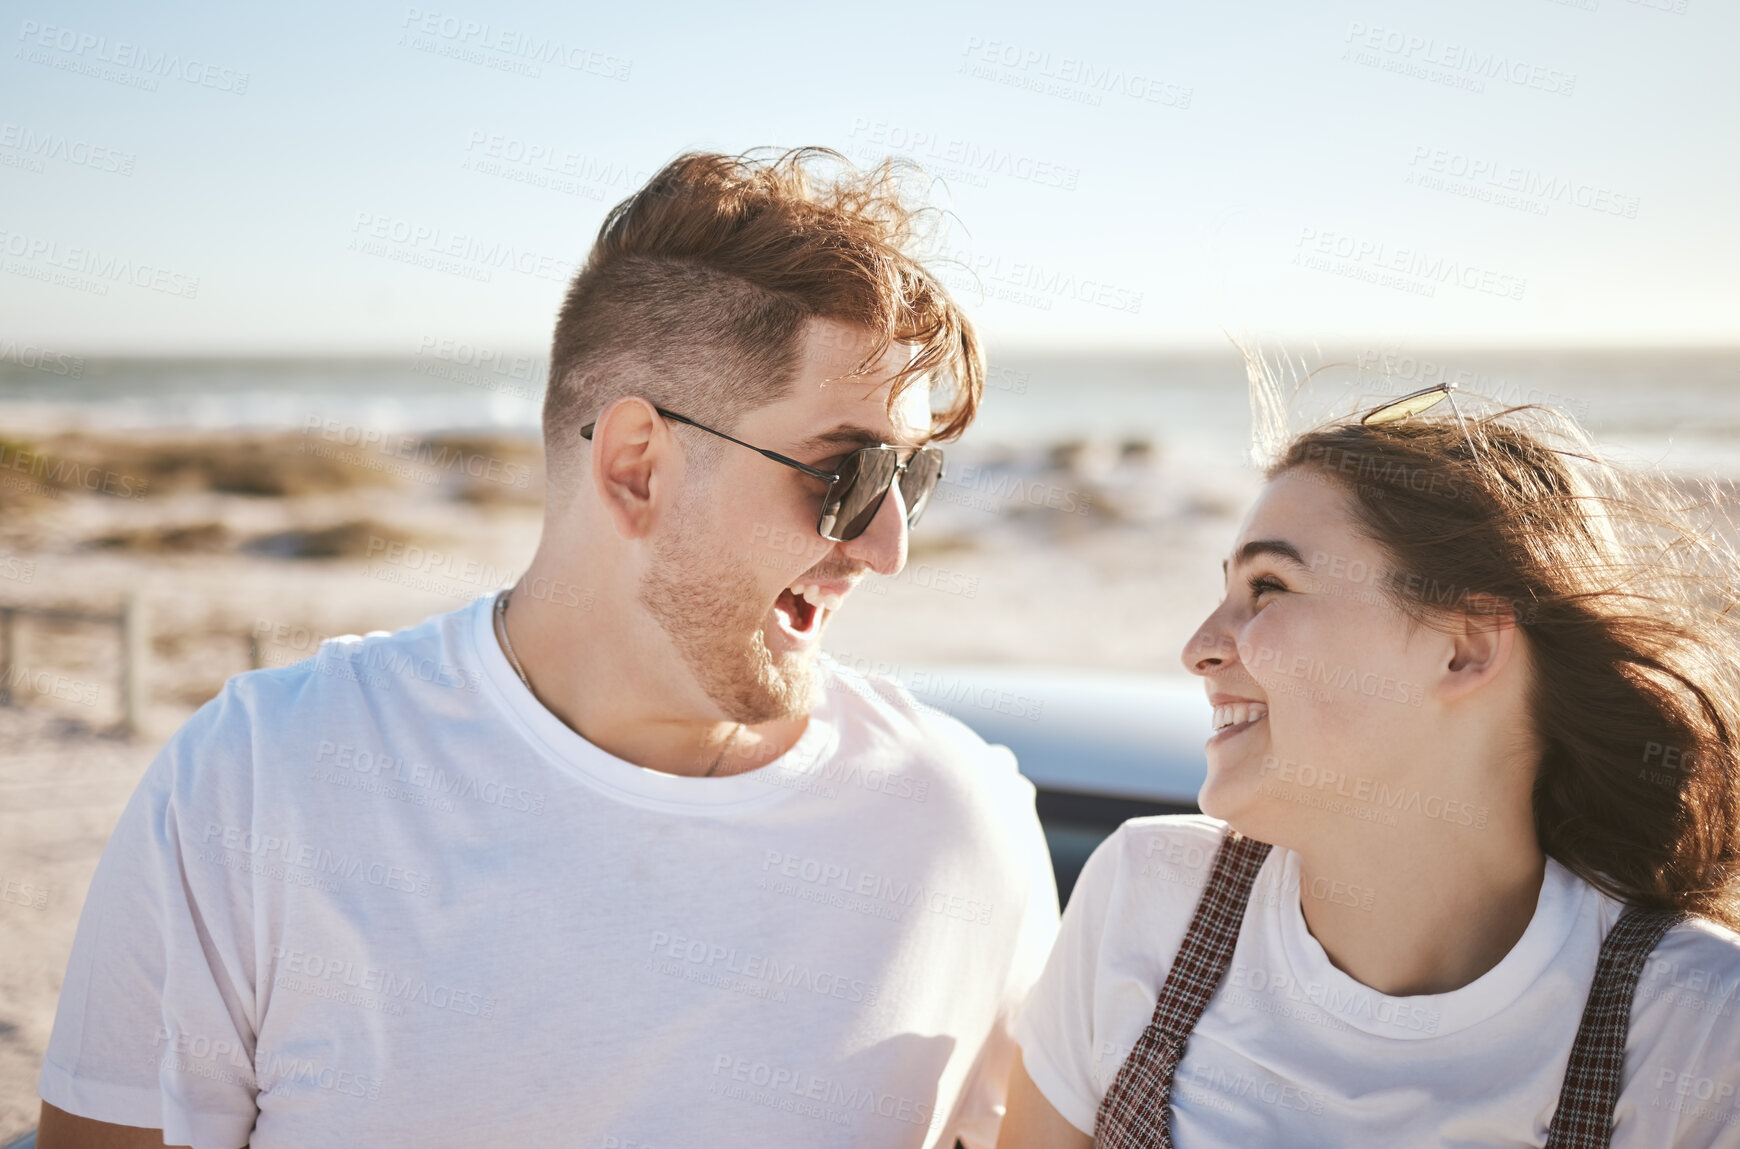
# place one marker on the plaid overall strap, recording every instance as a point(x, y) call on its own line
point(1134, 1111)
point(1584, 1119)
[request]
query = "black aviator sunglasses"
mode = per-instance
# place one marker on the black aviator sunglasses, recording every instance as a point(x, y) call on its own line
point(857, 486)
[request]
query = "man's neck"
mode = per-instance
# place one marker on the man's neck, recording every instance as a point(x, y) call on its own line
point(595, 675)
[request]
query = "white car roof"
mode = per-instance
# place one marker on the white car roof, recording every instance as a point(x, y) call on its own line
point(1090, 732)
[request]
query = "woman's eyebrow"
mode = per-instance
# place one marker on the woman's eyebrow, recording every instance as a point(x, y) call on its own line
point(1280, 548)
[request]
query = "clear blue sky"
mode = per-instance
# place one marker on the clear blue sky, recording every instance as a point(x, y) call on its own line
point(1475, 173)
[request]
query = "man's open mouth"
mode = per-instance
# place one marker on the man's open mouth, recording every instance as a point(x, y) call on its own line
point(802, 607)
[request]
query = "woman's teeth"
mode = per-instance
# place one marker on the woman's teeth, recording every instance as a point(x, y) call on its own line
point(812, 593)
point(1239, 713)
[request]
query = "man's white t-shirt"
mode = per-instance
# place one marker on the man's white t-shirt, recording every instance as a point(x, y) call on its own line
point(1293, 1052)
point(384, 897)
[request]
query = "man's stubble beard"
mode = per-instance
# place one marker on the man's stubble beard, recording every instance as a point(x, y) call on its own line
point(712, 610)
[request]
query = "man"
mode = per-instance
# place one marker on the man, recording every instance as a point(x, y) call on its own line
point(619, 859)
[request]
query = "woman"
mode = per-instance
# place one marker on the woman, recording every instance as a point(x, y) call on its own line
point(1480, 695)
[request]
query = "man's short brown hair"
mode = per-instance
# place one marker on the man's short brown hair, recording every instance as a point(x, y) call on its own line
point(699, 286)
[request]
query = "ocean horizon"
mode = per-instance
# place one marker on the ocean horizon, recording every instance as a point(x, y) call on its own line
point(1674, 408)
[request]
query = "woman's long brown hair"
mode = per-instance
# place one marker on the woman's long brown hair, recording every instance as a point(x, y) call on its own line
point(1623, 587)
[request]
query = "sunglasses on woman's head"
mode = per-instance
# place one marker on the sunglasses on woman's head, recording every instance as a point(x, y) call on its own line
point(857, 486)
point(1415, 402)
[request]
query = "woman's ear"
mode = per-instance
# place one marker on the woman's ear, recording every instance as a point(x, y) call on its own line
point(1481, 645)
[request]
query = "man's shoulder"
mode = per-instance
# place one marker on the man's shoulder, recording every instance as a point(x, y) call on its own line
point(347, 675)
point(432, 652)
point(976, 784)
point(891, 710)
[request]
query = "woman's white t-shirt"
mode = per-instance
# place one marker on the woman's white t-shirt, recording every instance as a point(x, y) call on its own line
point(1291, 1051)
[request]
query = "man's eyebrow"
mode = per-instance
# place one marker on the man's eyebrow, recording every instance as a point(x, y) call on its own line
point(850, 435)
point(1280, 548)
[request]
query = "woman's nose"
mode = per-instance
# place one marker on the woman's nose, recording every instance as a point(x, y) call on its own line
point(1209, 648)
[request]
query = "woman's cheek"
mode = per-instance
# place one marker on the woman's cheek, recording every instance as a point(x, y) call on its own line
point(1263, 649)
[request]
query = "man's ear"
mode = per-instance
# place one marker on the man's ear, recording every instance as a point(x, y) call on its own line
point(635, 463)
point(1481, 645)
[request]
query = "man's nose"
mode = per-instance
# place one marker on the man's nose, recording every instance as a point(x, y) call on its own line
point(882, 546)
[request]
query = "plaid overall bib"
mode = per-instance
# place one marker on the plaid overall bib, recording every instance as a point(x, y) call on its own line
point(1133, 1113)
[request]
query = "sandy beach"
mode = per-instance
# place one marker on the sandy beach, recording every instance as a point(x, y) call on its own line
point(250, 548)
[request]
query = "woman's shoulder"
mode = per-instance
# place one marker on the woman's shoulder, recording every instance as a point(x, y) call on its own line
point(1188, 840)
point(1683, 1044)
point(1168, 853)
point(1694, 969)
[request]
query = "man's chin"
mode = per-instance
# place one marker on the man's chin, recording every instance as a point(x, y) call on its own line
point(752, 676)
point(766, 687)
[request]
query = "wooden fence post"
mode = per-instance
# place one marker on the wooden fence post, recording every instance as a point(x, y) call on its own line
point(8, 652)
point(135, 663)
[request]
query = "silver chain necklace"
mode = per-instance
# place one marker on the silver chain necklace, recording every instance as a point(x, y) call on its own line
point(501, 601)
point(501, 604)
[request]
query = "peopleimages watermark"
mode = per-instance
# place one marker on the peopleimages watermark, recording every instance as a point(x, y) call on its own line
point(1402, 371)
point(959, 159)
point(1068, 78)
point(276, 855)
point(826, 779)
point(752, 974)
point(1665, 765)
point(548, 166)
point(88, 269)
point(28, 148)
point(1024, 283)
point(1218, 1088)
point(358, 983)
point(437, 248)
point(53, 473)
point(436, 782)
point(414, 450)
point(808, 1094)
point(121, 61)
point(1510, 185)
point(1007, 379)
point(1447, 62)
point(15, 569)
point(512, 373)
point(27, 894)
point(840, 884)
point(1401, 268)
point(1308, 669)
point(1354, 578)
point(504, 49)
point(362, 661)
point(1367, 799)
point(294, 637)
point(47, 684)
point(937, 688)
point(1337, 1001)
point(1693, 1095)
point(191, 1054)
point(995, 489)
point(1696, 989)
point(46, 360)
point(454, 576)
point(928, 576)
